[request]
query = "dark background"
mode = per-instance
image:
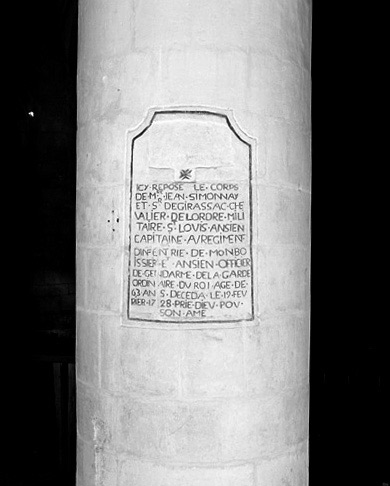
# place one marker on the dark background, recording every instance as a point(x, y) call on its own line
point(350, 385)
point(349, 425)
point(39, 228)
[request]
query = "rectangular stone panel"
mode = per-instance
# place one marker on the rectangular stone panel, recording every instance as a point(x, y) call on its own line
point(190, 231)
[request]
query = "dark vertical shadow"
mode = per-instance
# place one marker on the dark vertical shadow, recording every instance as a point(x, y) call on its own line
point(349, 403)
point(39, 332)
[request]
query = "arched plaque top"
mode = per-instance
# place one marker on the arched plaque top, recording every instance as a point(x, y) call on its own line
point(217, 116)
point(190, 231)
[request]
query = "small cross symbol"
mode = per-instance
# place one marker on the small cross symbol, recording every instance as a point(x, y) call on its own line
point(185, 174)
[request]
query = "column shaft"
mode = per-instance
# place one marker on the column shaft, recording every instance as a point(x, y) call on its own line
point(222, 400)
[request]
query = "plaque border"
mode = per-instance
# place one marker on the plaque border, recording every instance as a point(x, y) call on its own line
point(133, 135)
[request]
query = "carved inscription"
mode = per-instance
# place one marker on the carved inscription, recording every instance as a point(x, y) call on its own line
point(190, 257)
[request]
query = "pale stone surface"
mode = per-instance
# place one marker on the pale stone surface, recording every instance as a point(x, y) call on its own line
point(135, 361)
point(200, 24)
point(171, 430)
point(289, 470)
point(98, 216)
point(85, 462)
point(277, 88)
point(81, 265)
point(288, 155)
point(256, 427)
point(216, 407)
point(107, 32)
point(284, 279)
point(101, 147)
point(95, 466)
point(213, 431)
point(213, 363)
point(96, 415)
point(276, 355)
point(283, 216)
point(88, 360)
point(151, 474)
point(104, 268)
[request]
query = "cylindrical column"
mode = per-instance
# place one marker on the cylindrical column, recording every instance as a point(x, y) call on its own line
point(192, 320)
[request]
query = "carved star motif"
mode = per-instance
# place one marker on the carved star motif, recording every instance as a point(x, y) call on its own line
point(185, 174)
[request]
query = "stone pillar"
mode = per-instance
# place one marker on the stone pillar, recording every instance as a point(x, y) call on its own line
point(196, 97)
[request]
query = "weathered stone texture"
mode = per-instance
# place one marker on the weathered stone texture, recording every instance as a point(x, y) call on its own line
point(276, 356)
point(291, 469)
point(135, 361)
point(288, 155)
point(88, 360)
point(94, 204)
point(151, 474)
point(284, 279)
point(95, 465)
point(213, 363)
point(104, 269)
point(283, 216)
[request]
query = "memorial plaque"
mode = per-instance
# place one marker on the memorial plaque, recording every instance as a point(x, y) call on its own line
point(190, 248)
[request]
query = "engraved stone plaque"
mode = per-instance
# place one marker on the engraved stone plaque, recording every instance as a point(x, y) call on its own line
point(190, 238)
